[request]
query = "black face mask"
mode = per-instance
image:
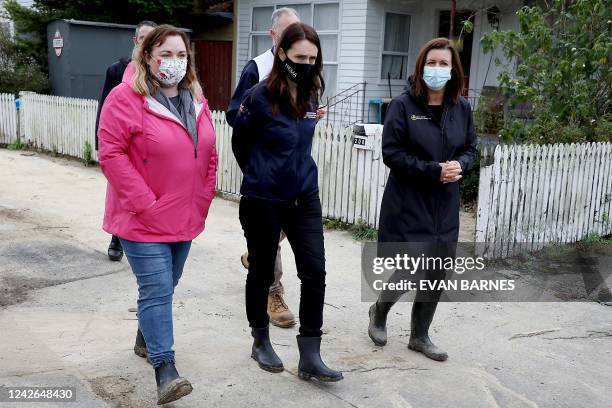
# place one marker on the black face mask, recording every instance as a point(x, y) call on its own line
point(300, 73)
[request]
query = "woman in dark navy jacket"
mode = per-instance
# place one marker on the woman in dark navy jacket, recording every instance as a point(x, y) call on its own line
point(272, 142)
point(429, 143)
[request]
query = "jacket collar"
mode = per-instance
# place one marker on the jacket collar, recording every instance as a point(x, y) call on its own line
point(160, 110)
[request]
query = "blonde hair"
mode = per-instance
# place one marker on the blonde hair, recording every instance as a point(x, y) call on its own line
point(144, 82)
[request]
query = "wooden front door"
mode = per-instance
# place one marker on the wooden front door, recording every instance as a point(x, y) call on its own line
point(214, 66)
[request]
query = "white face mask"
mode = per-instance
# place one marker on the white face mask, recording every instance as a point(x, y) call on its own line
point(436, 77)
point(171, 71)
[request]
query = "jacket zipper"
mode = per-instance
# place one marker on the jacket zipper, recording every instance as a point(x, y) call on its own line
point(437, 215)
point(437, 199)
point(297, 170)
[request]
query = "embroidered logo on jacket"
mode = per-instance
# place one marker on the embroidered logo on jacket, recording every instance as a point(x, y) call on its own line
point(419, 117)
point(310, 115)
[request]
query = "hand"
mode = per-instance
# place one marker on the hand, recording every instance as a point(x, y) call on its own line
point(321, 112)
point(451, 172)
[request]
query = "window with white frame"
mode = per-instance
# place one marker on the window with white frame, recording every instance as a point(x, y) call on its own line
point(260, 26)
point(396, 42)
point(324, 17)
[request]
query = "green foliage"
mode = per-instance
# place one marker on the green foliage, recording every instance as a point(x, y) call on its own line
point(363, 232)
point(87, 154)
point(334, 224)
point(468, 185)
point(16, 145)
point(19, 70)
point(563, 72)
point(360, 231)
point(31, 23)
point(489, 115)
point(176, 12)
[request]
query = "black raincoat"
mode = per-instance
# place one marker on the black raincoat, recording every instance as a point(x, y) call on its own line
point(416, 205)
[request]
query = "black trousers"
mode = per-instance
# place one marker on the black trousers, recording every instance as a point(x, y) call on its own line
point(262, 221)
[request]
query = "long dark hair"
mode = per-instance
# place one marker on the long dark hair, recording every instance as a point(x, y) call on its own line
point(454, 87)
point(278, 83)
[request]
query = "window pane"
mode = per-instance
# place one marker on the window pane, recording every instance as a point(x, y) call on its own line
point(397, 32)
point(394, 65)
point(330, 74)
point(326, 16)
point(260, 44)
point(303, 10)
point(329, 47)
point(262, 18)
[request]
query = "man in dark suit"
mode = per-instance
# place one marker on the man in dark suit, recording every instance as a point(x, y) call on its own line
point(114, 74)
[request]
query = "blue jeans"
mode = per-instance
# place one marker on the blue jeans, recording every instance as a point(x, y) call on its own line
point(158, 268)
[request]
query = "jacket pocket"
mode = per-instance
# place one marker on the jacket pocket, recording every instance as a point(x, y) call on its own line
point(161, 218)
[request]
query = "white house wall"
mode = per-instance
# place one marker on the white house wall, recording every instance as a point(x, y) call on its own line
point(421, 30)
point(352, 44)
point(351, 35)
point(484, 72)
point(361, 36)
point(243, 21)
point(424, 26)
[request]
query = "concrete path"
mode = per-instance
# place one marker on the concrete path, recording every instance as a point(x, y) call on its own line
point(65, 320)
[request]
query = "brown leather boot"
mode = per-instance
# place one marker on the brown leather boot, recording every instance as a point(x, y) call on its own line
point(279, 312)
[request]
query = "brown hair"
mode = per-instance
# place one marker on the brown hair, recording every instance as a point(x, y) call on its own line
point(278, 86)
point(143, 78)
point(454, 87)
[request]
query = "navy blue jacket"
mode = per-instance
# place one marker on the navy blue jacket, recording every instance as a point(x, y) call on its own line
point(416, 205)
point(248, 79)
point(273, 150)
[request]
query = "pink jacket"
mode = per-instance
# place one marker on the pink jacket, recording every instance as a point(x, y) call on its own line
point(159, 187)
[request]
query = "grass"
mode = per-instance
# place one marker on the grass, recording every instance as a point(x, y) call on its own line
point(16, 145)
point(360, 231)
point(87, 154)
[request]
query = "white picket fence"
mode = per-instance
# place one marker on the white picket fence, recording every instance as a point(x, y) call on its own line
point(8, 119)
point(351, 181)
point(60, 125)
point(530, 196)
point(533, 196)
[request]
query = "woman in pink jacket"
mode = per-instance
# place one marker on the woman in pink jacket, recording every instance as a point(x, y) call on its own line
point(157, 150)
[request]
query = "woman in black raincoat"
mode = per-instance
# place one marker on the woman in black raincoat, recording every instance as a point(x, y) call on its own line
point(428, 143)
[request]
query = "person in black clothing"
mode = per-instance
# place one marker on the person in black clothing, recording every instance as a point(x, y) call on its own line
point(114, 75)
point(272, 143)
point(429, 143)
point(255, 71)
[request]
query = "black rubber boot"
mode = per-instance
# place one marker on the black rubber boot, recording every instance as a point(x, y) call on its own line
point(311, 365)
point(170, 386)
point(140, 347)
point(262, 351)
point(377, 329)
point(115, 251)
point(422, 315)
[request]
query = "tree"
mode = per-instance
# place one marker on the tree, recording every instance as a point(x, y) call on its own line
point(176, 12)
point(31, 23)
point(563, 74)
point(18, 71)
